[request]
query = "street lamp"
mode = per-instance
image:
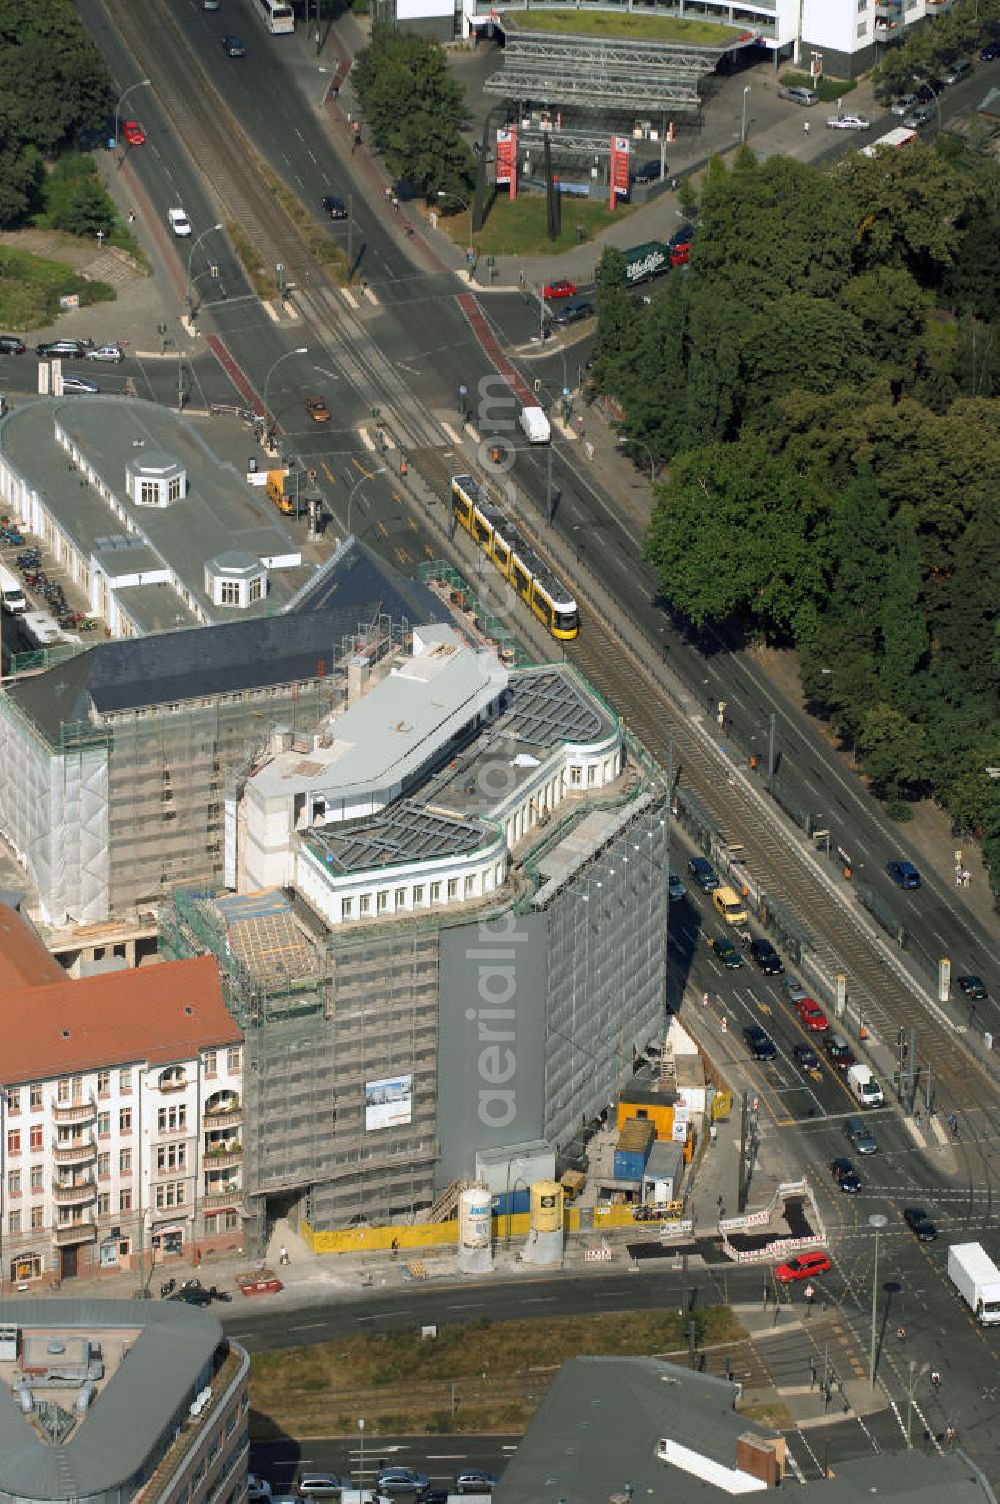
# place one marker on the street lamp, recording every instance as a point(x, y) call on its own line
point(359, 482)
point(878, 1221)
point(361, 1461)
point(743, 123)
point(301, 350)
point(143, 83)
point(189, 291)
point(638, 444)
point(914, 1376)
point(443, 193)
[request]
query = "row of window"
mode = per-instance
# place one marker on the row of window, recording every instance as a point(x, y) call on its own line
point(171, 1194)
point(70, 1089)
point(423, 893)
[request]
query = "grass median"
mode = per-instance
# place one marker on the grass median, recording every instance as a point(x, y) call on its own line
point(518, 227)
point(482, 1376)
point(629, 27)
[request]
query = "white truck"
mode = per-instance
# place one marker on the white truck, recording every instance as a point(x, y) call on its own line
point(11, 594)
point(977, 1280)
point(535, 425)
point(894, 139)
point(864, 1086)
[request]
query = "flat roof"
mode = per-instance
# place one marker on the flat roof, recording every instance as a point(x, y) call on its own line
point(388, 735)
point(170, 1351)
point(219, 512)
point(578, 845)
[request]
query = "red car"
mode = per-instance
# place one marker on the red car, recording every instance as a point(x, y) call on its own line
point(133, 133)
point(806, 1266)
point(680, 254)
point(812, 1015)
point(560, 289)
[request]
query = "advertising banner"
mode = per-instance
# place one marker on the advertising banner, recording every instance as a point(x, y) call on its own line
point(620, 146)
point(388, 1103)
point(507, 159)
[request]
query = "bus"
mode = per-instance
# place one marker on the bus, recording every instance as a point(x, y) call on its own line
point(901, 136)
point(277, 15)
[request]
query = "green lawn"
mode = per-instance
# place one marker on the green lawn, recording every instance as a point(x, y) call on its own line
point(629, 27)
point(518, 227)
point(31, 286)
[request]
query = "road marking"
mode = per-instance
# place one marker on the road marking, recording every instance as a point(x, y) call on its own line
point(307, 1326)
point(446, 1456)
point(371, 296)
point(367, 440)
point(328, 473)
point(348, 297)
point(272, 314)
point(410, 370)
point(453, 437)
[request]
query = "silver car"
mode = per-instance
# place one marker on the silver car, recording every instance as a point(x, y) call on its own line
point(798, 95)
point(904, 104)
point(922, 115)
point(113, 354)
point(80, 384)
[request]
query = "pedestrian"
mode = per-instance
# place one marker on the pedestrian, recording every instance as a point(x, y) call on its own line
point(283, 1255)
point(704, 1000)
point(953, 1124)
point(935, 1378)
point(394, 1248)
point(387, 194)
point(131, 216)
point(901, 1333)
point(805, 126)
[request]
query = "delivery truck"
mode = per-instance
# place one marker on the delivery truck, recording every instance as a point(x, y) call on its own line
point(535, 425)
point(864, 1086)
point(977, 1280)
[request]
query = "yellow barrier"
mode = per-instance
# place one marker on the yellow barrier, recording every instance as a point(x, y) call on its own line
point(445, 1234)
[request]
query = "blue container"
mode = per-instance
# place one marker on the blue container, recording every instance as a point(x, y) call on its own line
point(511, 1203)
point(630, 1164)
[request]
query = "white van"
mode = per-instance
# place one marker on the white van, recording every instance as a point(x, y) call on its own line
point(12, 596)
point(535, 425)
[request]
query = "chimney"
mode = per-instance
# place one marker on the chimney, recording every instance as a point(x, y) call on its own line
point(762, 1457)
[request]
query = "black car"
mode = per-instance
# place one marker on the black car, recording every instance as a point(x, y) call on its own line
point(920, 1224)
point(573, 310)
point(233, 47)
point(929, 89)
point(192, 1295)
point(703, 873)
point(62, 349)
point(766, 958)
point(683, 236)
point(334, 206)
point(726, 952)
point(990, 52)
point(807, 1057)
point(839, 1052)
point(11, 345)
point(760, 1044)
point(846, 1176)
point(973, 987)
point(649, 172)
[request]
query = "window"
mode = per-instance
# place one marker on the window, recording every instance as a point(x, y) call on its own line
point(37, 1217)
point(149, 493)
point(103, 1166)
point(125, 1161)
point(104, 1204)
point(171, 1157)
point(172, 1119)
point(13, 1141)
point(13, 1100)
point(125, 1120)
point(365, 903)
point(38, 1177)
point(435, 892)
point(233, 1059)
point(346, 907)
point(230, 592)
point(382, 901)
point(125, 1082)
point(62, 1092)
point(13, 1182)
point(37, 1136)
point(862, 28)
point(125, 1200)
point(470, 887)
point(171, 1194)
point(104, 1125)
point(418, 894)
point(14, 1221)
point(174, 488)
point(591, 774)
point(103, 1083)
point(400, 898)
point(452, 887)
point(257, 588)
point(35, 1097)
point(211, 1063)
point(576, 776)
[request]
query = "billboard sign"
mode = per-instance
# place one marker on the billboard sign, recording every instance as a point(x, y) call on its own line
point(388, 1103)
point(620, 146)
point(507, 159)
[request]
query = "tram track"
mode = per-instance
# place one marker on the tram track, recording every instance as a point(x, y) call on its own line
point(841, 939)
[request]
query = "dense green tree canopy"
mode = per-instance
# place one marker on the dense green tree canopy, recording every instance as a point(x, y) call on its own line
point(415, 111)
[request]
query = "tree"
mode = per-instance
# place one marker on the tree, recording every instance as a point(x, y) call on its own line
point(907, 207)
point(895, 750)
point(416, 111)
point(904, 629)
point(617, 322)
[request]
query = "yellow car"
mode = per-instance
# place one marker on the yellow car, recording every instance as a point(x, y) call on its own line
point(317, 410)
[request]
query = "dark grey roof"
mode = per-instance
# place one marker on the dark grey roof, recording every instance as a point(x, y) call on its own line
point(402, 833)
point(135, 673)
point(136, 1411)
point(598, 1426)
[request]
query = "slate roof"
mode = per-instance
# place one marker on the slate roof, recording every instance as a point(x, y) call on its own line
point(137, 673)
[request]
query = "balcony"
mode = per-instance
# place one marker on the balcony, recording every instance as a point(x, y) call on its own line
point(228, 1117)
point(74, 1152)
point(216, 1200)
point(66, 1113)
point(223, 1156)
point(75, 1232)
point(74, 1194)
point(170, 1083)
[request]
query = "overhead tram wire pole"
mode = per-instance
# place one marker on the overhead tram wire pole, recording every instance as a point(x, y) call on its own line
point(143, 83)
point(189, 289)
point(300, 350)
point(743, 121)
point(444, 193)
point(350, 500)
point(878, 1221)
